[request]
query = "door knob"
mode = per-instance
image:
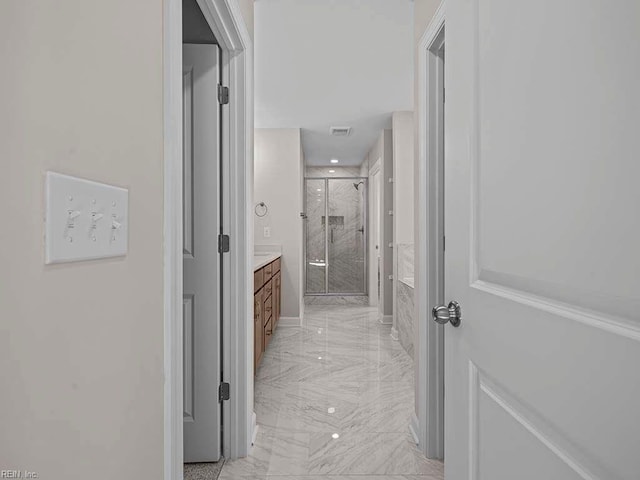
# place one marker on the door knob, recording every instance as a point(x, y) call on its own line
point(451, 313)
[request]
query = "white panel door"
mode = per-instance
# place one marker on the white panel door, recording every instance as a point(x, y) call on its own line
point(542, 239)
point(202, 348)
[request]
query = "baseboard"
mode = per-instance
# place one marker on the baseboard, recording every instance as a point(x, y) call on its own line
point(386, 319)
point(254, 428)
point(414, 428)
point(290, 322)
point(394, 333)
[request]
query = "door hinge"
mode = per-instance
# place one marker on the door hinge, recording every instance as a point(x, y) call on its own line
point(223, 243)
point(224, 391)
point(223, 95)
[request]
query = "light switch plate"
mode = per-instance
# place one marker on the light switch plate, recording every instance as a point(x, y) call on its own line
point(84, 219)
point(267, 232)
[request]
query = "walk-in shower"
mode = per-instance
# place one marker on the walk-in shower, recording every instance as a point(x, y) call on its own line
point(336, 236)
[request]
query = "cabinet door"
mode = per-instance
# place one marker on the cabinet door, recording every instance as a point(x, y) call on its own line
point(268, 332)
point(277, 300)
point(267, 309)
point(258, 330)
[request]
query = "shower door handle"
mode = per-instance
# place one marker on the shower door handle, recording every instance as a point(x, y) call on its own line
point(332, 235)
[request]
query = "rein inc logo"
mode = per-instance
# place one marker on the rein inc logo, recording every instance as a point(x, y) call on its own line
point(18, 474)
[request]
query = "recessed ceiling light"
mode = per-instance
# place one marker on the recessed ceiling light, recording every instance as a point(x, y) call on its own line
point(332, 171)
point(319, 189)
point(331, 410)
point(333, 160)
point(335, 435)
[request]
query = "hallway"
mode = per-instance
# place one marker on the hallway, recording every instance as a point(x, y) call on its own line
point(334, 399)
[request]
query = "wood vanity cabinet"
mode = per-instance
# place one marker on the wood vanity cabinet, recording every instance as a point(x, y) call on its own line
point(267, 288)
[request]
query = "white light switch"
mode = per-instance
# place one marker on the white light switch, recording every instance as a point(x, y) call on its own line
point(84, 219)
point(267, 232)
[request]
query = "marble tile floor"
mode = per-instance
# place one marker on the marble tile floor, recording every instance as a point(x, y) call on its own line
point(334, 399)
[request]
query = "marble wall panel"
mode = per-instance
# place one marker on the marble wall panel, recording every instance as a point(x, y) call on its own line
point(405, 315)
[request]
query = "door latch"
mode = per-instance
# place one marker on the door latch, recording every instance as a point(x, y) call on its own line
point(223, 243)
point(224, 391)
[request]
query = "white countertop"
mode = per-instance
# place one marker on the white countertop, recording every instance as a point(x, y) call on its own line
point(262, 259)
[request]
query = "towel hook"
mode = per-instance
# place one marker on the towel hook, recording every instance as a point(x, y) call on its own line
point(261, 209)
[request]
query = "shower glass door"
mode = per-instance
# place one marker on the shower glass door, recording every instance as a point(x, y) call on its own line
point(336, 236)
point(315, 245)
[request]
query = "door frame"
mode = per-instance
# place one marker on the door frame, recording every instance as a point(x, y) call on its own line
point(428, 425)
point(374, 214)
point(225, 19)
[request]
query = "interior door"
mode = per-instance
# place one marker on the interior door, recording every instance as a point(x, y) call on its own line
point(542, 236)
point(201, 260)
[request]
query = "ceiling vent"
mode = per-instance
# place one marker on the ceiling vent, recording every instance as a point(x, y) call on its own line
point(340, 131)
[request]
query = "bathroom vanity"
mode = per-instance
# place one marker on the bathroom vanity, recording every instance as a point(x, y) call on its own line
point(267, 290)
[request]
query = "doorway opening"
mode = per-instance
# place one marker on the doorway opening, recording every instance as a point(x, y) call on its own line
point(207, 156)
point(202, 259)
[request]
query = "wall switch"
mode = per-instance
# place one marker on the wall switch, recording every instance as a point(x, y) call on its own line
point(84, 219)
point(267, 232)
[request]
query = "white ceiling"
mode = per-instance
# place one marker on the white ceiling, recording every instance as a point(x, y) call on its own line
point(323, 63)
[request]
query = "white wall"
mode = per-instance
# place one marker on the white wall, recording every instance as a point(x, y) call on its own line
point(403, 161)
point(247, 10)
point(81, 344)
point(278, 183)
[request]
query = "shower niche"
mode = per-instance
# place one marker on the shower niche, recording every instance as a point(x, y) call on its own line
point(335, 236)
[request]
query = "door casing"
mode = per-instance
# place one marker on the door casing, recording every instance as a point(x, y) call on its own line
point(226, 22)
point(428, 424)
point(375, 237)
